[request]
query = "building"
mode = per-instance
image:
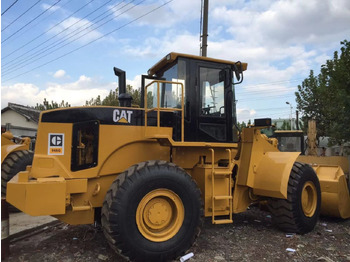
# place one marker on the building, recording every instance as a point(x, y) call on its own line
point(20, 120)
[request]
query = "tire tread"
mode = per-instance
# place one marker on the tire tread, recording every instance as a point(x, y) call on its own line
point(284, 212)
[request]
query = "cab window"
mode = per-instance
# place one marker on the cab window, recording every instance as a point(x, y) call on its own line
point(212, 92)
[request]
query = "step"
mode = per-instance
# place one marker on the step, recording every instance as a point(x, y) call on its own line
point(223, 172)
point(223, 221)
point(224, 209)
point(222, 197)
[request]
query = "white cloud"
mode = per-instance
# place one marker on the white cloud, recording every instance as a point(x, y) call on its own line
point(52, 9)
point(164, 17)
point(244, 114)
point(286, 23)
point(135, 83)
point(159, 47)
point(27, 93)
point(74, 28)
point(59, 73)
point(75, 93)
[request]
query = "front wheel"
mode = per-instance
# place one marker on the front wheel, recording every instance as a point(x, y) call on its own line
point(15, 162)
point(152, 212)
point(300, 211)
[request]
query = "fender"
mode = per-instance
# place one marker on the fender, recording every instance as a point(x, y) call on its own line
point(271, 175)
point(8, 149)
point(262, 167)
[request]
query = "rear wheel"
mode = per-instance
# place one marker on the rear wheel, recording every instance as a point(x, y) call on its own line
point(300, 211)
point(152, 212)
point(15, 162)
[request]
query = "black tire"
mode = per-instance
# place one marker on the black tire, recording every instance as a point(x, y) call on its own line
point(15, 162)
point(126, 195)
point(292, 215)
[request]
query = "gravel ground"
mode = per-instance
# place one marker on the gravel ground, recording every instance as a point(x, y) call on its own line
point(251, 237)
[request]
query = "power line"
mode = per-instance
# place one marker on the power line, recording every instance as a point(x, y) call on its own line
point(41, 51)
point(21, 15)
point(276, 82)
point(46, 31)
point(31, 21)
point(253, 96)
point(260, 85)
point(23, 60)
point(264, 97)
point(40, 21)
point(9, 7)
point(270, 109)
point(76, 49)
point(274, 90)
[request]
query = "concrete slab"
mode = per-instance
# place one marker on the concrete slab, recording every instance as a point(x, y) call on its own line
point(21, 221)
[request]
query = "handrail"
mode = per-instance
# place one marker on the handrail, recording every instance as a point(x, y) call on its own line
point(165, 109)
point(212, 185)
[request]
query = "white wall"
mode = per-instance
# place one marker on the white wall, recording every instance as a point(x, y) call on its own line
point(20, 126)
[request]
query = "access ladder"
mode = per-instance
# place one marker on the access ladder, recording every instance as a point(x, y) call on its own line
point(221, 173)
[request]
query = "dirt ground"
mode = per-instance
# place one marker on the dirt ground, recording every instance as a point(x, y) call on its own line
point(251, 237)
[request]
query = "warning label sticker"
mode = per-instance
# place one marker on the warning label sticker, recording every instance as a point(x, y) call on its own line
point(56, 144)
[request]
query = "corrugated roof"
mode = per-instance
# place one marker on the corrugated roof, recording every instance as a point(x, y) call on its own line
point(29, 113)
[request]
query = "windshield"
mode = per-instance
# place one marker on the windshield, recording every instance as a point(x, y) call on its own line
point(289, 144)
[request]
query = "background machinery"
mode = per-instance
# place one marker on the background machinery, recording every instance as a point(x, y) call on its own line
point(151, 173)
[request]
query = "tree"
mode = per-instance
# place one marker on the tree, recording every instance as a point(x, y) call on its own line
point(326, 97)
point(112, 98)
point(93, 101)
point(241, 125)
point(285, 125)
point(46, 105)
point(136, 95)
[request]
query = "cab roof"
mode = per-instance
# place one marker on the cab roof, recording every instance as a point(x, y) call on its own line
point(288, 131)
point(171, 57)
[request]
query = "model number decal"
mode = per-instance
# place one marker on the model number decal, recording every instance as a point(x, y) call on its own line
point(56, 144)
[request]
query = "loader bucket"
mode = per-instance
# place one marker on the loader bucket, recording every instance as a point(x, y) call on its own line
point(335, 195)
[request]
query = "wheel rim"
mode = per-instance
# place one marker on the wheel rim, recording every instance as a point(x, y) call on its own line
point(159, 215)
point(309, 199)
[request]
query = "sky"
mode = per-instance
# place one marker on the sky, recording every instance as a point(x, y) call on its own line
point(66, 49)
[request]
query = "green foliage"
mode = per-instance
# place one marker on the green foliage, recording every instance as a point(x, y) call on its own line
point(136, 95)
point(93, 101)
point(46, 105)
point(112, 98)
point(326, 97)
point(241, 125)
point(285, 125)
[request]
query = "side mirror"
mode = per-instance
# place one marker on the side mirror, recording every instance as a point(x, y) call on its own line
point(237, 68)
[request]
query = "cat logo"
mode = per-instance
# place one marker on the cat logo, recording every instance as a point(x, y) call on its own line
point(122, 116)
point(56, 144)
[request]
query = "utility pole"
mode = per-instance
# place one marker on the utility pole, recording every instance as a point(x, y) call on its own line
point(204, 36)
point(291, 115)
point(297, 119)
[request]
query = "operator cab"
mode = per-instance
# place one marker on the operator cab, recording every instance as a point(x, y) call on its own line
point(290, 140)
point(209, 97)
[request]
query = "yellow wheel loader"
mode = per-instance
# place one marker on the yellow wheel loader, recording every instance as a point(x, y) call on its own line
point(151, 173)
point(15, 157)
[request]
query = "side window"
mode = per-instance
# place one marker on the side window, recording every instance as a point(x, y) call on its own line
point(212, 92)
point(170, 94)
point(84, 145)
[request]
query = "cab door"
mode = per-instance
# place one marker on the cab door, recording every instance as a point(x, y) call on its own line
point(214, 87)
